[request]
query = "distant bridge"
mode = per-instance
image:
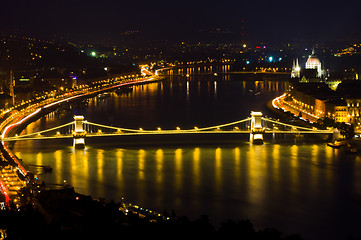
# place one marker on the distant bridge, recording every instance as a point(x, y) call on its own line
point(223, 73)
point(79, 129)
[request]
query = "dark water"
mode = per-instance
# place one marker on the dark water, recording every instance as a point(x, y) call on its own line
point(305, 188)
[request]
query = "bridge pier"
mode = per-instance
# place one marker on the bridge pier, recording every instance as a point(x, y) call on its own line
point(79, 133)
point(256, 135)
point(336, 134)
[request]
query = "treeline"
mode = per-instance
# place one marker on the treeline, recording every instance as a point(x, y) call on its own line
point(346, 129)
point(103, 223)
point(64, 214)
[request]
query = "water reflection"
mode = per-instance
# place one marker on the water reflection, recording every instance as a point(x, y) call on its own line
point(218, 169)
point(256, 165)
point(141, 164)
point(294, 166)
point(276, 168)
point(57, 164)
point(159, 157)
point(178, 156)
point(278, 185)
point(237, 166)
point(119, 159)
point(165, 177)
point(314, 168)
point(196, 166)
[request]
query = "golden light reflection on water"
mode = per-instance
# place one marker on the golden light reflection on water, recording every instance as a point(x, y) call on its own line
point(73, 168)
point(178, 157)
point(141, 164)
point(237, 165)
point(314, 168)
point(218, 169)
point(276, 167)
point(85, 167)
point(159, 158)
point(329, 152)
point(58, 163)
point(294, 165)
point(250, 173)
point(255, 173)
point(39, 159)
point(196, 166)
point(100, 164)
point(119, 158)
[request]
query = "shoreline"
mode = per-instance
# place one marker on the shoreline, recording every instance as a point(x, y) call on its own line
point(22, 117)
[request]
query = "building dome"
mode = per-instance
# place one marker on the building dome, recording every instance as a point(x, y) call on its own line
point(313, 62)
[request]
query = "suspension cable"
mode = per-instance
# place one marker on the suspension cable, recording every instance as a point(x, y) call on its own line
point(187, 130)
point(40, 132)
point(293, 126)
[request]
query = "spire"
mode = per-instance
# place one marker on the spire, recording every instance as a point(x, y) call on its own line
point(295, 73)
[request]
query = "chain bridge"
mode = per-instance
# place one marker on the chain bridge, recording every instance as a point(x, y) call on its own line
point(256, 126)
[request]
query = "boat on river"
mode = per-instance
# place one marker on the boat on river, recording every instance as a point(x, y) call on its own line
point(337, 143)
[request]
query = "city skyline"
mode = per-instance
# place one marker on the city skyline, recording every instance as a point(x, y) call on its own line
point(113, 112)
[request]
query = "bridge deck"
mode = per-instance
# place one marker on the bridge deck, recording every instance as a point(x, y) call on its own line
point(80, 129)
point(162, 132)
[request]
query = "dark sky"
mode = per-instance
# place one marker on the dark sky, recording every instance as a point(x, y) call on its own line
point(258, 19)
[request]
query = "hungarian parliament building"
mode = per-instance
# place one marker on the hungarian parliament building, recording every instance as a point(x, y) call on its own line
point(317, 97)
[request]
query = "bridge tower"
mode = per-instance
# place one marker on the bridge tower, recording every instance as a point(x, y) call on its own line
point(256, 135)
point(79, 133)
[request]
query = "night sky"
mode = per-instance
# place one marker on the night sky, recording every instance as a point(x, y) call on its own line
point(259, 20)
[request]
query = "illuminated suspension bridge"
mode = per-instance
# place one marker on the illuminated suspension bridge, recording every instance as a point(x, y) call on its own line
point(79, 129)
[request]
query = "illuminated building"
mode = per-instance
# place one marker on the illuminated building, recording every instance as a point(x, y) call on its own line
point(314, 63)
point(354, 110)
point(296, 69)
point(350, 91)
point(311, 73)
point(341, 113)
point(319, 101)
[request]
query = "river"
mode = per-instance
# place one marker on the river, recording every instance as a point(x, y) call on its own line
point(296, 187)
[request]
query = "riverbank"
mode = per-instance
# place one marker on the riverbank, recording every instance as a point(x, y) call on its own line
point(352, 145)
point(19, 117)
point(64, 214)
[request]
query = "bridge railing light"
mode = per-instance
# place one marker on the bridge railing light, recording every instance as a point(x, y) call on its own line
point(159, 129)
point(178, 128)
point(141, 129)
